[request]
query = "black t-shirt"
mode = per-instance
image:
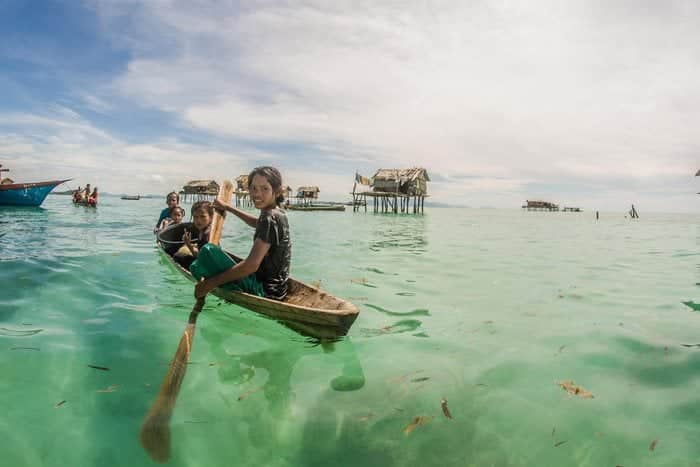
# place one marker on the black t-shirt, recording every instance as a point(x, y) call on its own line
point(273, 272)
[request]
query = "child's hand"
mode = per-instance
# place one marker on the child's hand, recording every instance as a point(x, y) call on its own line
point(202, 289)
point(187, 238)
point(219, 204)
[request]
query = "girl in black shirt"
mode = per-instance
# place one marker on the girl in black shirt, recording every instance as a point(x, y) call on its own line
point(266, 269)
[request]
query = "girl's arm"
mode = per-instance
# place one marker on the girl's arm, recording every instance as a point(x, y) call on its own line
point(240, 270)
point(249, 219)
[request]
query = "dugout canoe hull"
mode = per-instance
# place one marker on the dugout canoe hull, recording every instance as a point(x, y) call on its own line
point(307, 309)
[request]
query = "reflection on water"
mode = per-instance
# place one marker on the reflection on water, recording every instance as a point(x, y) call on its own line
point(405, 233)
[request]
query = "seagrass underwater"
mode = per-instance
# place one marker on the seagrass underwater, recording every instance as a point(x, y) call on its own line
point(486, 337)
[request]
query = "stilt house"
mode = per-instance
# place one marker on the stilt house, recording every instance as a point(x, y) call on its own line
point(197, 190)
point(393, 190)
point(412, 182)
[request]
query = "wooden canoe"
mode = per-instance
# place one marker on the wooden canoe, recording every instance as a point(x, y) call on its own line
point(307, 309)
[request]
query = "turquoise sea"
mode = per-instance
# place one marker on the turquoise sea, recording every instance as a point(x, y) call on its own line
point(486, 309)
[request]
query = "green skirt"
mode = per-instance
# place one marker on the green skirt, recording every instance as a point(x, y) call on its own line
point(212, 260)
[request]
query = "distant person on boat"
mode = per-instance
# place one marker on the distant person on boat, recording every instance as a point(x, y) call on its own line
point(202, 214)
point(78, 195)
point(265, 271)
point(92, 199)
point(172, 200)
point(86, 193)
point(176, 216)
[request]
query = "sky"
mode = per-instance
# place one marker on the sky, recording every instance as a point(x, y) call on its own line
point(589, 103)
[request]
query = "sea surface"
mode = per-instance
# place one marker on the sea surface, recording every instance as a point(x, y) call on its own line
point(484, 315)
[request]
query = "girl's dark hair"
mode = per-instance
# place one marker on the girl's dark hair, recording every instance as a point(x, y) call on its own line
point(178, 208)
point(177, 196)
point(206, 205)
point(273, 176)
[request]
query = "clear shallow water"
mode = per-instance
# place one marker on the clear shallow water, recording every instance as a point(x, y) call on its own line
point(488, 309)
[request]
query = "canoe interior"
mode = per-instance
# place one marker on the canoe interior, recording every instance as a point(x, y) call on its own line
point(308, 310)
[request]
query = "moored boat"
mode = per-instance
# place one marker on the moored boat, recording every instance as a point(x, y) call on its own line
point(131, 197)
point(306, 309)
point(26, 194)
point(316, 207)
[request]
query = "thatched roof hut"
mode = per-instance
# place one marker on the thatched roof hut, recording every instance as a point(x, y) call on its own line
point(201, 187)
point(308, 192)
point(242, 182)
point(411, 181)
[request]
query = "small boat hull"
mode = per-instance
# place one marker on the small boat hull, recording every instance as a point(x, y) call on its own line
point(26, 194)
point(317, 207)
point(131, 198)
point(308, 310)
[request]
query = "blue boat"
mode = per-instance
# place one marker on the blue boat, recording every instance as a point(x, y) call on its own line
point(26, 194)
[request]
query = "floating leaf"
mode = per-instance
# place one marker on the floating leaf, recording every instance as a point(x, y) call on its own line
point(59, 404)
point(575, 390)
point(248, 393)
point(445, 409)
point(111, 388)
point(653, 444)
point(419, 420)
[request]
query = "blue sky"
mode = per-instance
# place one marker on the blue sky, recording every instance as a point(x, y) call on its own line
point(585, 103)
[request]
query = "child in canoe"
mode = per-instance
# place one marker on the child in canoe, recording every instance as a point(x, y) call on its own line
point(176, 216)
point(202, 214)
point(172, 200)
point(265, 271)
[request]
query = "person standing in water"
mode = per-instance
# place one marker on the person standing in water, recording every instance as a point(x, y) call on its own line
point(265, 272)
point(92, 199)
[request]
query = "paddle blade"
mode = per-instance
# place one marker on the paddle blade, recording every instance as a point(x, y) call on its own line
point(155, 431)
point(217, 223)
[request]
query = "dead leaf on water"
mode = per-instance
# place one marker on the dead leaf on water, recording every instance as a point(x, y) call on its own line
point(653, 444)
point(248, 393)
point(573, 389)
point(111, 388)
point(556, 445)
point(59, 404)
point(417, 421)
point(445, 409)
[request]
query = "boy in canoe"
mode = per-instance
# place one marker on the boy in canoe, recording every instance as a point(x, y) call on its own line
point(265, 271)
point(172, 200)
point(176, 216)
point(202, 215)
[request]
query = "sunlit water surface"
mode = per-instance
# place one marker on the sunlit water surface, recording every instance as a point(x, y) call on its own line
point(486, 309)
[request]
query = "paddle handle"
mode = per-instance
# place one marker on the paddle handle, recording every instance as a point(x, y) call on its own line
point(217, 223)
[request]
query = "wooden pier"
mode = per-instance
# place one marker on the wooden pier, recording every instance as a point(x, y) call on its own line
point(389, 202)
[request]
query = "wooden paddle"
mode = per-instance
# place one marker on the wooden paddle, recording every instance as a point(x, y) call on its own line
point(155, 431)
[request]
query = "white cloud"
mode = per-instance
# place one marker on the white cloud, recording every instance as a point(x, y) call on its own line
point(599, 98)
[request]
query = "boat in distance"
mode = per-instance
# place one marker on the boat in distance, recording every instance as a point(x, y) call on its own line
point(26, 194)
point(306, 309)
point(315, 207)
